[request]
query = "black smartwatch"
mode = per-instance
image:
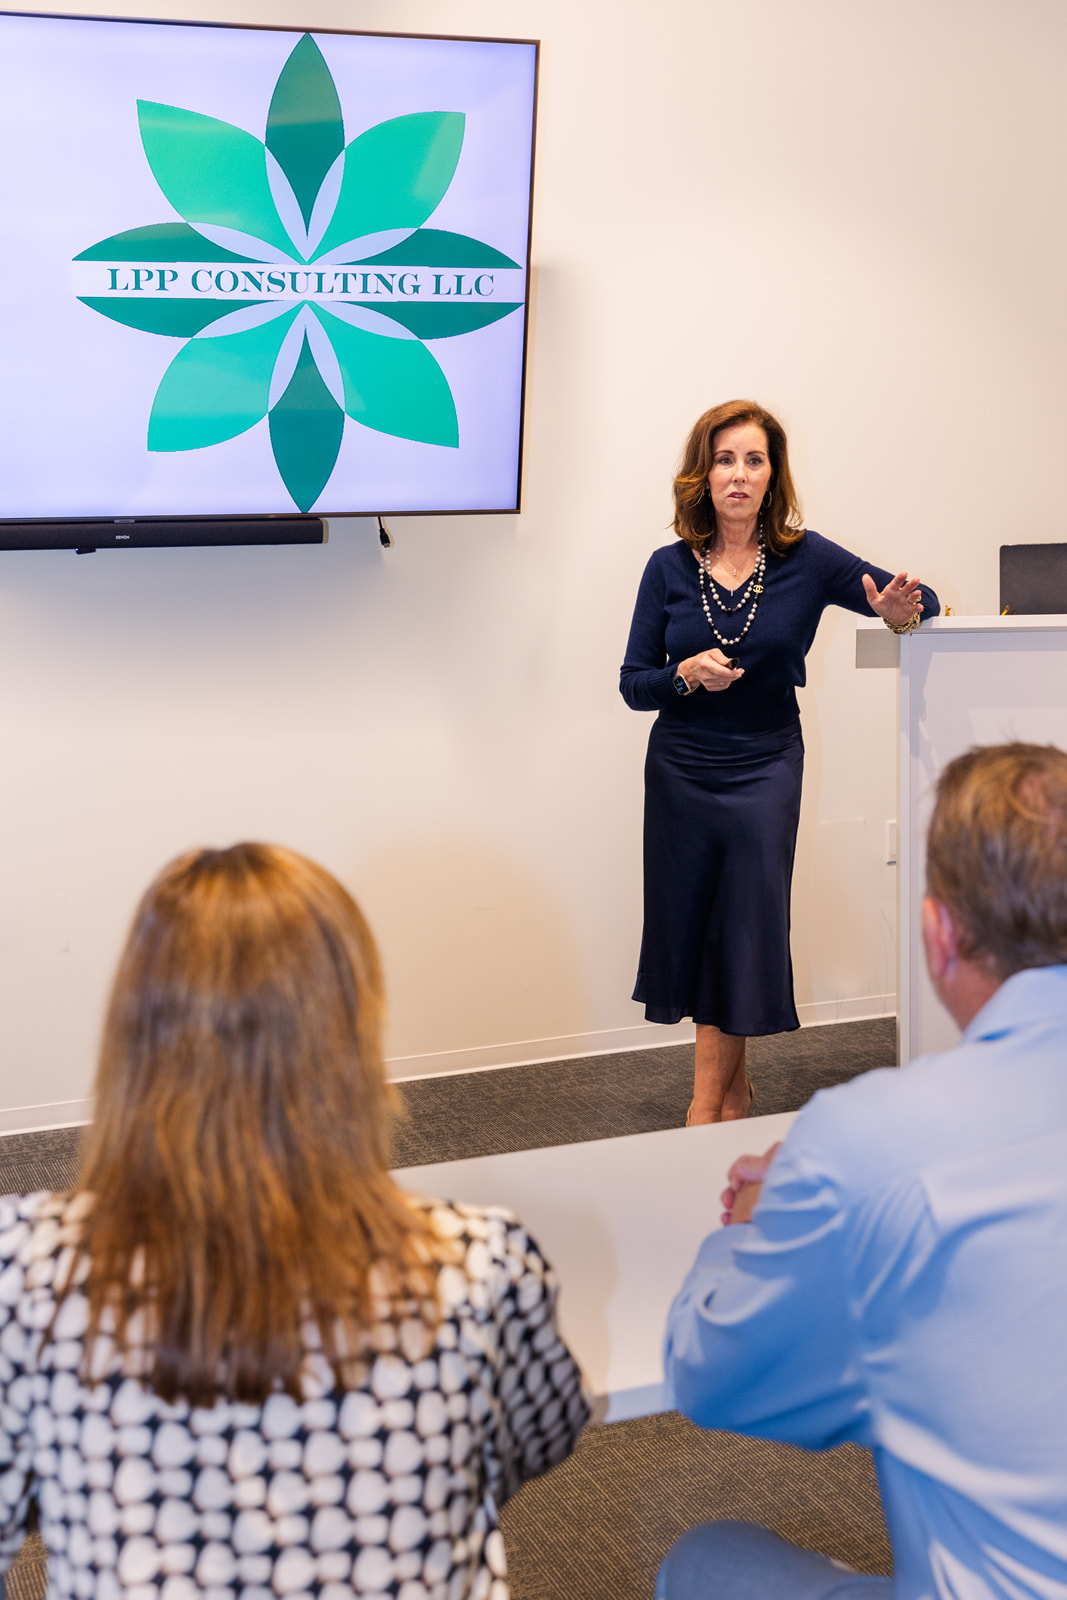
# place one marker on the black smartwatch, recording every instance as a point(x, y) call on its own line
point(679, 685)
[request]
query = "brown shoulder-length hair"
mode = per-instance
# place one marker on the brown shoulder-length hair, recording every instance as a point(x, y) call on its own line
point(694, 514)
point(996, 854)
point(236, 1174)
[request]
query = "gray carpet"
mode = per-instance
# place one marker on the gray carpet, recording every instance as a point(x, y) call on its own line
point(600, 1524)
point(597, 1527)
point(459, 1115)
point(47, 1160)
point(28, 1577)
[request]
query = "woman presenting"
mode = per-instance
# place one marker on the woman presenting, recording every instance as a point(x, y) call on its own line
point(722, 624)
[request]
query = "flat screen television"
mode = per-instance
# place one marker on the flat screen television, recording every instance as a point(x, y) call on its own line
point(256, 277)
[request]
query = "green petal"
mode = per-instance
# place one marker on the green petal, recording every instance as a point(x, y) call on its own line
point(392, 385)
point(211, 171)
point(216, 388)
point(305, 432)
point(305, 133)
point(433, 247)
point(177, 318)
point(162, 241)
point(436, 321)
point(395, 174)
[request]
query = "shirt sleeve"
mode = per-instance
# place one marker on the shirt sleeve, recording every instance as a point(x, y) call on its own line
point(843, 577)
point(761, 1338)
point(542, 1405)
point(16, 1454)
point(645, 679)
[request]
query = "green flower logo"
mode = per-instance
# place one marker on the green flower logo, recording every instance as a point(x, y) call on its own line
point(277, 229)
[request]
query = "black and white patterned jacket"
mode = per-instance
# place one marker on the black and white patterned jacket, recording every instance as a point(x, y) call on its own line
point(385, 1490)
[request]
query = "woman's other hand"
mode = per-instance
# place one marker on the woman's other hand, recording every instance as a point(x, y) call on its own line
point(745, 1180)
point(898, 602)
point(710, 670)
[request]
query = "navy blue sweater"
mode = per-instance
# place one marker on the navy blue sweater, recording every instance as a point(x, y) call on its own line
point(669, 626)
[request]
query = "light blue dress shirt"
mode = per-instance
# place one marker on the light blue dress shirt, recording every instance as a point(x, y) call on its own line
point(903, 1284)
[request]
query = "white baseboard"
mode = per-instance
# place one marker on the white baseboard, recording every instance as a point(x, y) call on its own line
point(485, 1058)
point(527, 1052)
point(39, 1119)
point(864, 1008)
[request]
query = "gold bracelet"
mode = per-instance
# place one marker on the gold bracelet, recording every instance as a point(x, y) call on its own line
point(904, 627)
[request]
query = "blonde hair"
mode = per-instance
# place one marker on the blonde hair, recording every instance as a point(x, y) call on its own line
point(694, 514)
point(237, 1162)
point(996, 854)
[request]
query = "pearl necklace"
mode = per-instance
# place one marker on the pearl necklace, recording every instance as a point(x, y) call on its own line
point(752, 592)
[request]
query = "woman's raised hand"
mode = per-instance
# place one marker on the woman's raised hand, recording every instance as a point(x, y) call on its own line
point(898, 602)
point(710, 670)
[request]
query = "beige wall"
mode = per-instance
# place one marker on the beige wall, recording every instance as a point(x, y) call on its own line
point(851, 211)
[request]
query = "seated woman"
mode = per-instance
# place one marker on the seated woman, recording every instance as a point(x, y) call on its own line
point(239, 1360)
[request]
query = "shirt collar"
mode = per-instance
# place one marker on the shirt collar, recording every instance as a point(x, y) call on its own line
point(1035, 995)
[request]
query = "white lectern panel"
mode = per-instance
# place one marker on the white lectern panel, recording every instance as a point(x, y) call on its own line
point(963, 681)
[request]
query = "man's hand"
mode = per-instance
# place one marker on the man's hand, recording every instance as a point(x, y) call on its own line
point(745, 1179)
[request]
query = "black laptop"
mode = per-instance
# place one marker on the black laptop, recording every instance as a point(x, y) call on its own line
point(1033, 580)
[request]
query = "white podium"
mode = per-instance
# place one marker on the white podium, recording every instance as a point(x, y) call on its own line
point(963, 681)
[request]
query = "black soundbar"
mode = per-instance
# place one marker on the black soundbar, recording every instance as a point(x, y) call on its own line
point(140, 533)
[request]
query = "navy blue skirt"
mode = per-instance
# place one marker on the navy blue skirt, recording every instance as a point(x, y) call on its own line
point(721, 816)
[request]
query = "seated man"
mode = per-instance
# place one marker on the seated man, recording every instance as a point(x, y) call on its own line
point(896, 1271)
